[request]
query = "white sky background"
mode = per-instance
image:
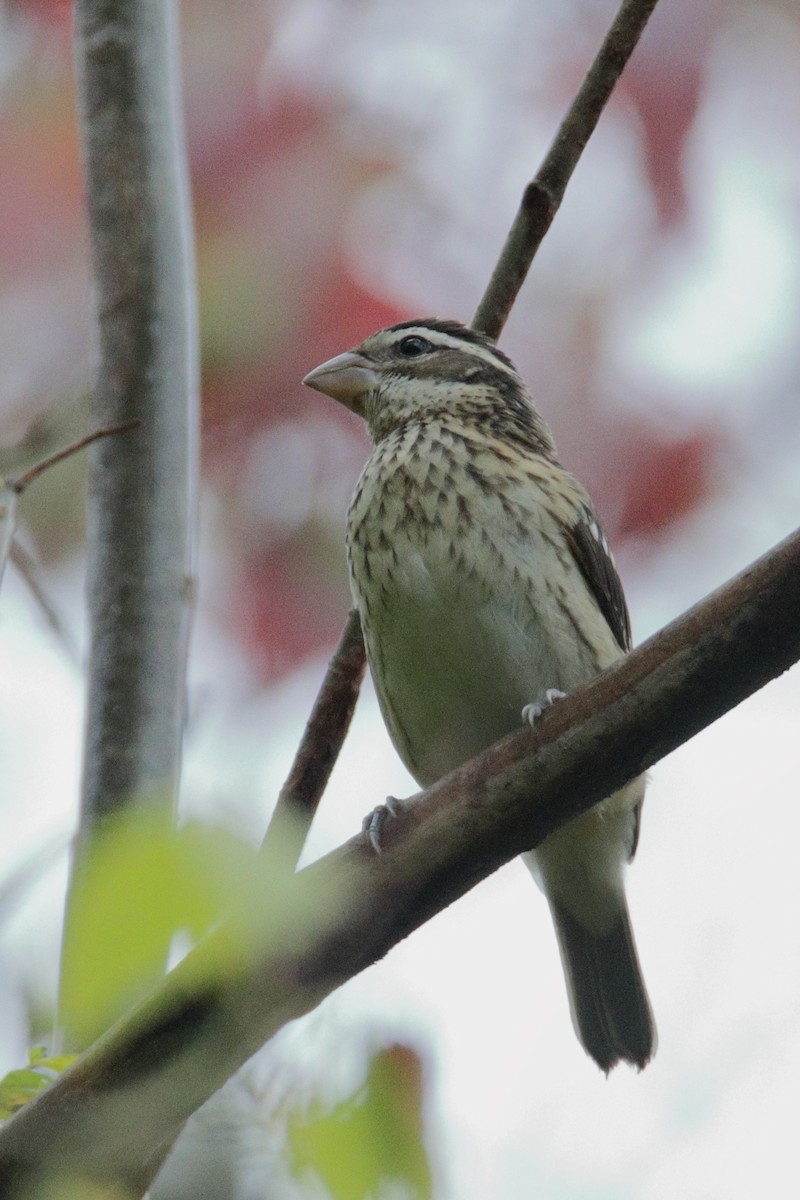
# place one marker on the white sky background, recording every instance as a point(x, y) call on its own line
point(517, 1110)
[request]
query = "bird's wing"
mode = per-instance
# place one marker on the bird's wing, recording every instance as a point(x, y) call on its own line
point(590, 550)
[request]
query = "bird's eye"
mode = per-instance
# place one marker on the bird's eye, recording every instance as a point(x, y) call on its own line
point(413, 346)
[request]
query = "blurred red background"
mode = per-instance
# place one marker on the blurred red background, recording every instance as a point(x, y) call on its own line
point(327, 206)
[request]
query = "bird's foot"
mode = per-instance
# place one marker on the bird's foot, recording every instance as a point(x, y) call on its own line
point(373, 823)
point(532, 712)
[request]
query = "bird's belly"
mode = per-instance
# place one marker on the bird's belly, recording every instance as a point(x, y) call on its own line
point(454, 659)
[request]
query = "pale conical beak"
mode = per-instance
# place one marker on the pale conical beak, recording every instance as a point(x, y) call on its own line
point(348, 378)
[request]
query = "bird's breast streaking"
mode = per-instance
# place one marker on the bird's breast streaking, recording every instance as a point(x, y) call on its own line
point(483, 583)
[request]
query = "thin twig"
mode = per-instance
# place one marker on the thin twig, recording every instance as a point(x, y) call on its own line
point(120, 1101)
point(28, 569)
point(19, 483)
point(10, 488)
point(543, 195)
point(318, 750)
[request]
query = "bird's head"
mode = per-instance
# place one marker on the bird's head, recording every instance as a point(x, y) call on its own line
point(430, 369)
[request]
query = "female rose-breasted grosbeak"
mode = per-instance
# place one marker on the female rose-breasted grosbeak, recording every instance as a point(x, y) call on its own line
point(483, 582)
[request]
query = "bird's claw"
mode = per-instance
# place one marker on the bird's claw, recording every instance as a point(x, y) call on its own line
point(373, 822)
point(532, 712)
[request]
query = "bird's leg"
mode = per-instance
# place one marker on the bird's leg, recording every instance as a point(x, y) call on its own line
point(372, 825)
point(532, 712)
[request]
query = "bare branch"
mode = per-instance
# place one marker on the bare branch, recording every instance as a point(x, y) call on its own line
point(543, 195)
point(13, 486)
point(29, 571)
point(141, 488)
point(136, 1086)
point(318, 750)
point(19, 483)
point(8, 520)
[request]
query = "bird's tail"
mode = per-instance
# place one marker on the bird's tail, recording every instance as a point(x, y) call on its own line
point(610, 1008)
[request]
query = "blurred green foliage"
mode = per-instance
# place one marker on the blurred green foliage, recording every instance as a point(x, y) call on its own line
point(20, 1086)
point(143, 883)
point(372, 1143)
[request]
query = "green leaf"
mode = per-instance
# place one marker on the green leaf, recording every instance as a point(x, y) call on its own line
point(144, 882)
point(56, 1063)
point(17, 1088)
point(372, 1141)
point(21, 1085)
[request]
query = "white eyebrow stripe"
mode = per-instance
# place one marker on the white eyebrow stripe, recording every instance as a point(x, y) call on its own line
point(448, 341)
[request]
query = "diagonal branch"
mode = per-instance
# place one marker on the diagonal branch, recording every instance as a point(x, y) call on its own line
point(543, 195)
point(134, 1088)
point(318, 750)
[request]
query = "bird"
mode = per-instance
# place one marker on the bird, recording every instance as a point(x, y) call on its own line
point(486, 590)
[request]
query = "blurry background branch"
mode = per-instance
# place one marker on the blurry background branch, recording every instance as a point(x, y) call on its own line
point(115, 1106)
point(19, 483)
point(142, 485)
point(13, 486)
point(540, 203)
